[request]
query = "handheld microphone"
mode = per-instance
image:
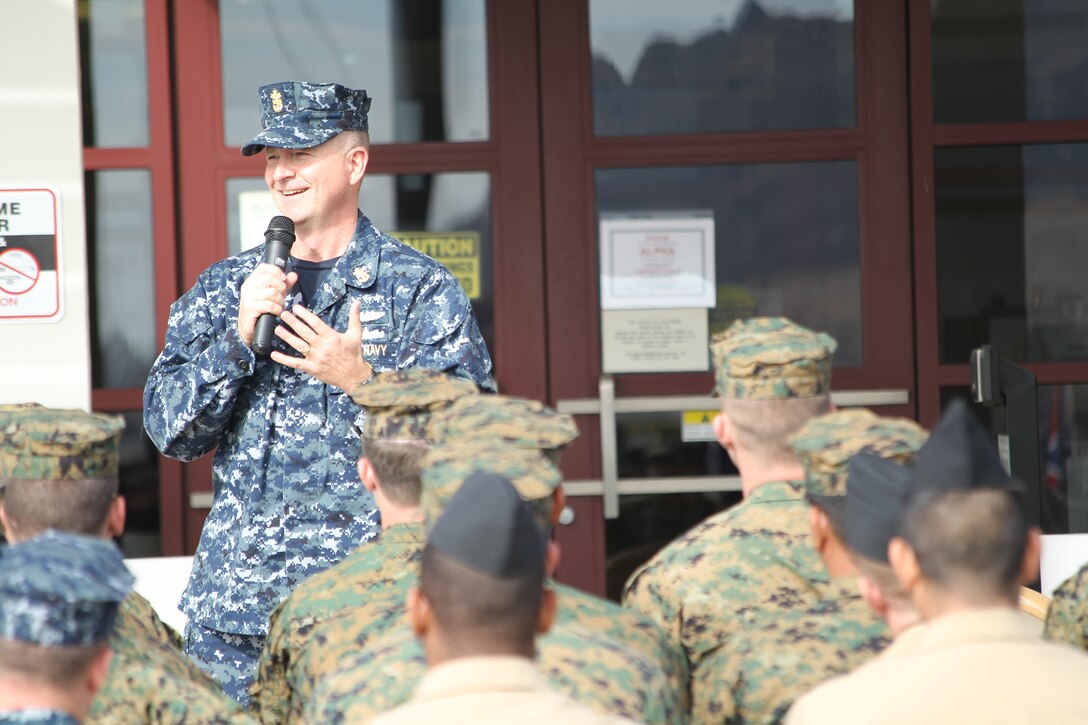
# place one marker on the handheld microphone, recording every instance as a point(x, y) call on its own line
point(278, 239)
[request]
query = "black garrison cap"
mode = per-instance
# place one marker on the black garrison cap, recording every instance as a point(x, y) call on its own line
point(875, 499)
point(959, 455)
point(488, 528)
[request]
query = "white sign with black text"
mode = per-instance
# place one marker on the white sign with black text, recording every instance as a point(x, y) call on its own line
point(657, 261)
point(30, 263)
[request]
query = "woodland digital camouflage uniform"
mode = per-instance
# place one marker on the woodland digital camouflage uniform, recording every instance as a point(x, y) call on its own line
point(771, 358)
point(515, 421)
point(57, 445)
point(372, 582)
point(756, 555)
point(150, 679)
point(1067, 616)
point(628, 676)
point(594, 669)
point(826, 444)
point(287, 500)
point(755, 676)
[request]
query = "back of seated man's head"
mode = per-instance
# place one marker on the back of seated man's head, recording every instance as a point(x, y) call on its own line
point(483, 570)
point(58, 470)
point(397, 464)
point(967, 522)
point(772, 375)
point(970, 544)
point(400, 406)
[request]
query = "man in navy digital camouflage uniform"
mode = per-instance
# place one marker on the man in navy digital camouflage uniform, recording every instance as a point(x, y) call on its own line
point(288, 502)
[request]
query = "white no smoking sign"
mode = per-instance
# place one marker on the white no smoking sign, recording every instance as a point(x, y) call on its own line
point(30, 274)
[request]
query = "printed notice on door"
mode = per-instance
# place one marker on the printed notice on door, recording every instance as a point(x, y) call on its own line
point(657, 261)
point(30, 279)
point(654, 341)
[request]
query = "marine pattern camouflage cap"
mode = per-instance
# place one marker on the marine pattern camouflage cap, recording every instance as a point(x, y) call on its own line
point(770, 358)
point(298, 115)
point(447, 466)
point(514, 421)
point(825, 444)
point(57, 445)
point(400, 404)
point(61, 590)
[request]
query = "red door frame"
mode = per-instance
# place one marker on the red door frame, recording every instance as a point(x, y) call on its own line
point(511, 156)
point(879, 144)
point(158, 159)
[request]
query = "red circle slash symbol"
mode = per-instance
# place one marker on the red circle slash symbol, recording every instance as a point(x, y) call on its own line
point(19, 271)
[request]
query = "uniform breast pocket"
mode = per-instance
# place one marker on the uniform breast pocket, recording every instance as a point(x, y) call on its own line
point(381, 341)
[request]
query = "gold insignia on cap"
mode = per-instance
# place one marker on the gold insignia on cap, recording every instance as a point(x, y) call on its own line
point(277, 100)
point(361, 274)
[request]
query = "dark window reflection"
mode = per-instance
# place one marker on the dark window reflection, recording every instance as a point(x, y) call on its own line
point(140, 486)
point(424, 62)
point(648, 523)
point(787, 238)
point(1009, 60)
point(1063, 453)
point(1012, 251)
point(113, 64)
point(440, 203)
point(120, 255)
point(673, 68)
point(650, 445)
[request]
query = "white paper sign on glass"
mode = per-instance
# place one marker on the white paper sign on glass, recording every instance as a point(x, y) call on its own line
point(657, 260)
point(654, 341)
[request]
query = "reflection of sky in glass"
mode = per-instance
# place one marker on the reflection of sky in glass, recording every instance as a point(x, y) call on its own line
point(358, 43)
point(116, 58)
point(621, 29)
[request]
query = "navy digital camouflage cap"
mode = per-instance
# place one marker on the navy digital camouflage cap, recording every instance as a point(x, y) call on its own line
point(298, 115)
point(61, 590)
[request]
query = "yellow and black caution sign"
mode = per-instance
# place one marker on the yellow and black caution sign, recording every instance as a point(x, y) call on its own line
point(459, 252)
point(698, 425)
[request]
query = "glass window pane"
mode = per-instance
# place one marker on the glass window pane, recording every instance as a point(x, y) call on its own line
point(1063, 452)
point(787, 238)
point(424, 62)
point(113, 49)
point(711, 67)
point(1009, 60)
point(456, 205)
point(139, 476)
point(647, 523)
point(122, 271)
point(1012, 251)
point(1063, 458)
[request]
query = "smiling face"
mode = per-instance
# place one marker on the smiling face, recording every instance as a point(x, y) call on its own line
point(317, 185)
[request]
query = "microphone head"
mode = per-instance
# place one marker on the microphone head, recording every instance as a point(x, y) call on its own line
point(280, 229)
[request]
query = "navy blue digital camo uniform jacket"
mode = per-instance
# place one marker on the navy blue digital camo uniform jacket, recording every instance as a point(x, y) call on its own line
point(288, 502)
